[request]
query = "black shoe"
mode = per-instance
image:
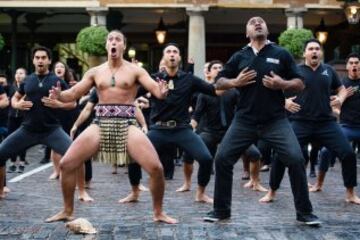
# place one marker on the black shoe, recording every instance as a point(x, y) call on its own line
point(312, 174)
point(213, 217)
point(44, 160)
point(11, 169)
point(21, 169)
point(308, 219)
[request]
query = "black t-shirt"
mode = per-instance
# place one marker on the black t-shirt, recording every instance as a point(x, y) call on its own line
point(3, 111)
point(350, 110)
point(209, 108)
point(315, 98)
point(176, 105)
point(40, 118)
point(257, 103)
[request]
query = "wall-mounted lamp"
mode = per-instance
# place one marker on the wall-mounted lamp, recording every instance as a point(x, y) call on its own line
point(352, 11)
point(321, 32)
point(161, 32)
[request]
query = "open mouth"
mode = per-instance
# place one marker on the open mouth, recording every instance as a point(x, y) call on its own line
point(354, 70)
point(314, 57)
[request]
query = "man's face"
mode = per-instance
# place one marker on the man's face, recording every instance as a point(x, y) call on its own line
point(313, 53)
point(41, 61)
point(256, 28)
point(171, 56)
point(353, 67)
point(115, 44)
point(215, 69)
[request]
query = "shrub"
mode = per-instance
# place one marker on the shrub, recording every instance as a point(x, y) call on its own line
point(92, 40)
point(293, 40)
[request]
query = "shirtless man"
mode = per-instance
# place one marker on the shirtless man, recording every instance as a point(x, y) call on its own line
point(116, 82)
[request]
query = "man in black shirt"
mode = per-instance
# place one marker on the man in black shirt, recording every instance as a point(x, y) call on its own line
point(350, 126)
point(217, 112)
point(170, 118)
point(315, 119)
point(40, 124)
point(261, 72)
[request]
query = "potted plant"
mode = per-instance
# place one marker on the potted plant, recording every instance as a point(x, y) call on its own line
point(91, 40)
point(2, 42)
point(293, 40)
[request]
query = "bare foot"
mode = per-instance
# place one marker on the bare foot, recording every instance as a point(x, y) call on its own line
point(315, 188)
point(61, 216)
point(85, 197)
point(184, 188)
point(249, 184)
point(54, 176)
point(258, 187)
point(6, 190)
point(165, 219)
point(203, 198)
point(143, 188)
point(132, 197)
point(353, 199)
point(268, 198)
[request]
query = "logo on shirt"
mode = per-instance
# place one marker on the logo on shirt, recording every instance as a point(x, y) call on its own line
point(273, 60)
point(325, 73)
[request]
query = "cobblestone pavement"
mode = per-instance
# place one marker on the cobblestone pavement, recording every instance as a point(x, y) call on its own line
point(35, 198)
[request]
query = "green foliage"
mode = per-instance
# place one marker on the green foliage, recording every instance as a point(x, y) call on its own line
point(92, 40)
point(2, 42)
point(293, 40)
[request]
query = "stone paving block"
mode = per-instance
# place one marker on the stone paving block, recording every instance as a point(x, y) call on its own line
point(34, 198)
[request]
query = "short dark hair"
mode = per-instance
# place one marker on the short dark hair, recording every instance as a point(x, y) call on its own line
point(213, 62)
point(41, 48)
point(311, 41)
point(172, 44)
point(3, 75)
point(352, 55)
point(118, 31)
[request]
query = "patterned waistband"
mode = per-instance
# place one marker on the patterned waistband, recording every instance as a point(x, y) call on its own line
point(113, 110)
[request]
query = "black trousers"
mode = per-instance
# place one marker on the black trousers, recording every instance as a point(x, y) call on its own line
point(23, 139)
point(280, 136)
point(185, 139)
point(327, 134)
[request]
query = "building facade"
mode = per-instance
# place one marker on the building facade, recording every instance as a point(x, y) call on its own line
point(205, 29)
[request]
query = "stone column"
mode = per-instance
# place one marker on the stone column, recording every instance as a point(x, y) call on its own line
point(295, 17)
point(97, 15)
point(196, 39)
